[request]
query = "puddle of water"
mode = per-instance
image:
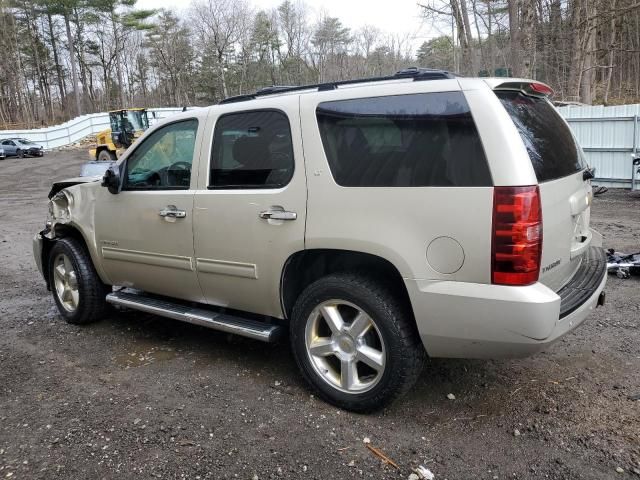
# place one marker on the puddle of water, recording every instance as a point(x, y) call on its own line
point(144, 358)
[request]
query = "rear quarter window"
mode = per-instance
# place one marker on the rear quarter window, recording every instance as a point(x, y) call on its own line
point(420, 140)
point(553, 150)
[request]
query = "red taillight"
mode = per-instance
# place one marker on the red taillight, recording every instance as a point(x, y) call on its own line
point(517, 235)
point(541, 88)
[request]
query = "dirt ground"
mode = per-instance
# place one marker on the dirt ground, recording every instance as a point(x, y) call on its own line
point(138, 396)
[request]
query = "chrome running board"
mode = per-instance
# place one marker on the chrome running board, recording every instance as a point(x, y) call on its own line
point(198, 316)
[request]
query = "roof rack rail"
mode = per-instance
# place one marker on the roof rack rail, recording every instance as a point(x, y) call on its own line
point(418, 74)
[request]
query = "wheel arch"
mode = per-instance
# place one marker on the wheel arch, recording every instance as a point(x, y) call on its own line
point(66, 230)
point(306, 266)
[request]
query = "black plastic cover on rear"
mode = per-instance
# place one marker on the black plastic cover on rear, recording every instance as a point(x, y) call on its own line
point(584, 282)
point(552, 148)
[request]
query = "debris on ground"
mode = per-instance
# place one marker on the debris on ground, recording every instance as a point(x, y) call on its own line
point(421, 473)
point(622, 264)
point(380, 454)
point(599, 190)
point(366, 440)
point(451, 396)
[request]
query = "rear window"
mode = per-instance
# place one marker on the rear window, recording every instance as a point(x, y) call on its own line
point(552, 148)
point(420, 140)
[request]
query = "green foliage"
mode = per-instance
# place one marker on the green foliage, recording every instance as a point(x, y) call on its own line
point(436, 53)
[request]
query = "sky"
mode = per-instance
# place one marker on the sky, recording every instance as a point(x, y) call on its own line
point(391, 16)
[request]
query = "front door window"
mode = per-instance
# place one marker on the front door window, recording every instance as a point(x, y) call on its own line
point(163, 160)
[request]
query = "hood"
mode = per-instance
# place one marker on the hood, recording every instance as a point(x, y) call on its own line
point(70, 182)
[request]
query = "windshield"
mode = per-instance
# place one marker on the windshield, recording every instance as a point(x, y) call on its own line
point(553, 150)
point(24, 141)
point(138, 119)
point(131, 120)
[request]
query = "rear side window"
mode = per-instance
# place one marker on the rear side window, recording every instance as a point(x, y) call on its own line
point(252, 150)
point(552, 149)
point(426, 139)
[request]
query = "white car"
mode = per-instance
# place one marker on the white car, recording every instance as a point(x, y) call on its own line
point(377, 221)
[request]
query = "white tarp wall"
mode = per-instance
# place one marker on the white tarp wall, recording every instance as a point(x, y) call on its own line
point(76, 129)
point(609, 137)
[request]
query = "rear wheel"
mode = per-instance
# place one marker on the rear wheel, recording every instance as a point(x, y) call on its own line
point(77, 290)
point(106, 156)
point(355, 342)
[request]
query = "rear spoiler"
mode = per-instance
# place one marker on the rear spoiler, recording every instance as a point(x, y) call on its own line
point(528, 87)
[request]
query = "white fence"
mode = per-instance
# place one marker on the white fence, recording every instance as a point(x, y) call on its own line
point(76, 129)
point(610, 138)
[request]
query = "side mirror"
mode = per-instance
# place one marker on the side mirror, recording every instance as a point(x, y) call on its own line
point(111, 179)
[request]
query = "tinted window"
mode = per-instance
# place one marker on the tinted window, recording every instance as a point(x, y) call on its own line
point(552, 149)
point(163, 160)
point(420, 140)
point(252, 150)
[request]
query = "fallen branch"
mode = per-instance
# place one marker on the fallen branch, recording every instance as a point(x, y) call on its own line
point(378, 453)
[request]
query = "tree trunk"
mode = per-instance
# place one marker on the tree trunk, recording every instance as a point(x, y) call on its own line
point(577, 52)
point(72, 59)
point(527, 38)
point(56, 60)
point(118, 67)
point(469, 37)
point(612, 44)
point(589, 54)
point(514, 38)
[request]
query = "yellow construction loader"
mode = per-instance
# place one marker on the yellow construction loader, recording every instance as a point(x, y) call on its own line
point(127, 124)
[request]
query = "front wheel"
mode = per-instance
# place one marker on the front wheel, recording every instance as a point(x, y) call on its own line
point(77, 290)
point(355, 342)
point(19, 153)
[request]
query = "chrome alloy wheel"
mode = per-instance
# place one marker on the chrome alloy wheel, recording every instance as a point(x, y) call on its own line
point(66, 283)
point(345, 346)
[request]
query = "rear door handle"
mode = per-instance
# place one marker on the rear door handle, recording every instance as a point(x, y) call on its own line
point(172, 211)
point(278, 215)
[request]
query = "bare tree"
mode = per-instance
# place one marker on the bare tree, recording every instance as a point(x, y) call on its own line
point(220, 24)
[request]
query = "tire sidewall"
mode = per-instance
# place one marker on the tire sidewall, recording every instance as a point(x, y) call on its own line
point(63, 246)
point(331, 288)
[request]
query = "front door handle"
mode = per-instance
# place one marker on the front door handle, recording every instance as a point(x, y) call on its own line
point(278, 215)
point(172, 211)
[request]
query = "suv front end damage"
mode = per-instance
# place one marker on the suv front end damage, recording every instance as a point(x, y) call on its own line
point(69, 207)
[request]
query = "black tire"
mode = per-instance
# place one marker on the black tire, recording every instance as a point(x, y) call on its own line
point(19, 153)
point(105, 155)
point(92, 305)
point(394, 322)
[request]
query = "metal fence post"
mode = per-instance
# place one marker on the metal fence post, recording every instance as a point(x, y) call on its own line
point(635, 149)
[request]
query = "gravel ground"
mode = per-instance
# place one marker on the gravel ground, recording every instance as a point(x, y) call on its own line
point(138, 396)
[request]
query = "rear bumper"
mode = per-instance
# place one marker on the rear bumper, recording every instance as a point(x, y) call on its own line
point(468, 320)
